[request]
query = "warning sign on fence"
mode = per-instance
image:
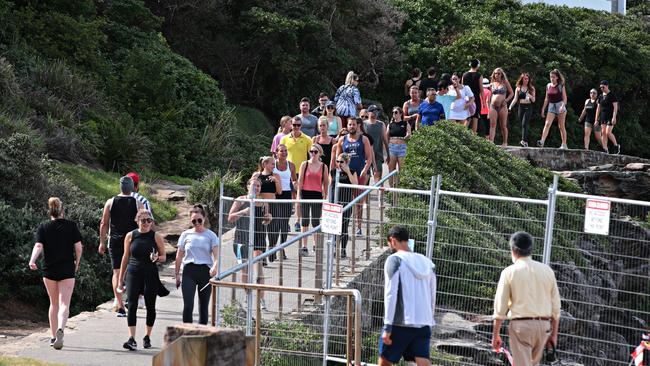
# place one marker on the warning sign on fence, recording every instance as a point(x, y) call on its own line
point(597, 217)
point(332, 218)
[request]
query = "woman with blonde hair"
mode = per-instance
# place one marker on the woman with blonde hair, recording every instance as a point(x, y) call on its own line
point(501, 95)
point(325, 141)
point(143, 247)
point(313, 183)
point(525, 97)
point(271, 186)
point(283, 130)
point(556, 100)
point(59, 240)
point(348, 98)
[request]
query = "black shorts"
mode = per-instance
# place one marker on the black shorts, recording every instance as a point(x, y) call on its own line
point(116, 250)
point(59, 272)
point(607, 122)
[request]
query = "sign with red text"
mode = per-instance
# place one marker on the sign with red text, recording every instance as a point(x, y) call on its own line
point(597, 215)
point(331, 218)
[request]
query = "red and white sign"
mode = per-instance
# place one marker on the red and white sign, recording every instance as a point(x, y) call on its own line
point(597, 215)
point(331, 218)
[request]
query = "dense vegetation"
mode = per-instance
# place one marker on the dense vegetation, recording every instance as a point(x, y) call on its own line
point(269, 54)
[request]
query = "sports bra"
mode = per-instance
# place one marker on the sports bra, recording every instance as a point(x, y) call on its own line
point(285, 176)
point(499, 90)
point(397, 129)
point(522, 94)
point(268, 186)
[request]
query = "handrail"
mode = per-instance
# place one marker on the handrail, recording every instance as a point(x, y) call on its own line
point(354, 293)
point(604, 198)
point(297, 238)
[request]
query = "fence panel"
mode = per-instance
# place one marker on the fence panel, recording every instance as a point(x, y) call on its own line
point(603, 280)
point(470, 251)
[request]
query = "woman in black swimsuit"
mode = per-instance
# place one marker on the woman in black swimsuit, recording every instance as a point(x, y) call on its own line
point(271, 186)
point(60, 242)
point(588, 116)
point(501, 95)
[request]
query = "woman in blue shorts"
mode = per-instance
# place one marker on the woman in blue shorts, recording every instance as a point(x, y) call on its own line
point(398, 132)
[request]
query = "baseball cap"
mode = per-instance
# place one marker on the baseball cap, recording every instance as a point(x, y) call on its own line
point(486, 81)
point(135, 177)
point(329, 103)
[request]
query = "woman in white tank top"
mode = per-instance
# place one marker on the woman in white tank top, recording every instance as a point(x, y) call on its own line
point(281, 212)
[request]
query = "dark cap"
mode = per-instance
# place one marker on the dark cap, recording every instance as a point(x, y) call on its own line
point(604, 82)
point(522, 243)
point(329, 103)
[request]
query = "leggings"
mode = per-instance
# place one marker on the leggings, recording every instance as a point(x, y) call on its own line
point(314, 208)
point(346, 197)
point(195, 275)
point(524, 113)
point(279, 226)
point(142, 282)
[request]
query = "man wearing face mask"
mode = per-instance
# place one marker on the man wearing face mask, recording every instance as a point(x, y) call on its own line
point(409, 303)
point(527, 294)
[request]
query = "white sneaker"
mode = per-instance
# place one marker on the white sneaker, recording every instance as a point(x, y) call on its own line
point(115, 305)
point(262, 304)
point(141, 302)
point(563, 147)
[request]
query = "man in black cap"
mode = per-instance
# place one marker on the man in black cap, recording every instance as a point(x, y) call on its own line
point(119, 214)
point(528, 296)
point(607, 116)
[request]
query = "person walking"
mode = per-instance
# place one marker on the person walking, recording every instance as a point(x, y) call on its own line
point(309, 121)
point(414, 81)
point(197, 256)
point(136, 192)
point(430, 111)
point(525, 97)
point(501, 95)
point(607, 116)
point(409, 303)
point(346, 176)
point(287, 173)
point(271, 186)
point(59, 240)
point(588, 117)
point(323, 139)
point(473, 79)
point(143, 247)
point(411, 106)
point(484, 120)
point(283, 130)
point(527, 295)
point(297, 143)
point(397, 133)
point(556, 100)
point(348, 99)
point(333, 121)
point(376, 129)
point(118, 219)
point(323, 99)
point(313, 183)
point(461, 108)
point(430, 81)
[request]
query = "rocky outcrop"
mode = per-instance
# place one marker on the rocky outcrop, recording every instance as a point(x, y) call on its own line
point(570, 159)
point(631, 181)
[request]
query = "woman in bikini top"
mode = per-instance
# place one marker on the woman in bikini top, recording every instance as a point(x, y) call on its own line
point(501, 95)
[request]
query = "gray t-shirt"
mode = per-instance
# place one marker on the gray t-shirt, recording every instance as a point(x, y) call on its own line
point(309, 125)
point(376, 131)
point(198, 246)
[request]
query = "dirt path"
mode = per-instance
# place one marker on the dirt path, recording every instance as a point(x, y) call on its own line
point(172, 229)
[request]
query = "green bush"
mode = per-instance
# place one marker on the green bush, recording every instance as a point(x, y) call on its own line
point(206, 191)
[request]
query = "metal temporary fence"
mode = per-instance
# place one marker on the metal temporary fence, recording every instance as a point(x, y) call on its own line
point(603, 280)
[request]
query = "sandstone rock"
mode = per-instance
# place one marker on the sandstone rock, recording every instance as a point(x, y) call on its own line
point(637, 166)
point(223, 346)
point(453, 325)
point(571, 159)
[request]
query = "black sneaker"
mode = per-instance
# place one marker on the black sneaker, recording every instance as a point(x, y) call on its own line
point(121, 313)
point(272, 258)
point(131, 344)
point(304, 252)
point(284, 255)
point(540, 143)
point(343, 254)
point(58, 342)
point(146, 342)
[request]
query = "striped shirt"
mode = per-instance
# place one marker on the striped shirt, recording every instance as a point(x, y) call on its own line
point(145, 202)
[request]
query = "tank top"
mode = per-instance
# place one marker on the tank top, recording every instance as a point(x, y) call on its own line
point(554, 93)
point(522, 94)
point(397, 129)
point(268, 186)
point(333, 128)
point(123, 211)
point(313, 181)
point(142, 244)
point(412, 108)
point(327, 152)
point(285, 176)
point(242, 225)
point(590, 111)
point(357, 153)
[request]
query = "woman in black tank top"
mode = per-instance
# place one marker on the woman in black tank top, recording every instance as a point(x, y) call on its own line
point(271, 186)
point(398, 132)
point(588, 116)
point(143, 247)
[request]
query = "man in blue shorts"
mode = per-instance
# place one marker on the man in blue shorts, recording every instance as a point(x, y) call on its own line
point(409, 303)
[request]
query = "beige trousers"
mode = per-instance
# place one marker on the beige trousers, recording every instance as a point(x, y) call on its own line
point(527, 340)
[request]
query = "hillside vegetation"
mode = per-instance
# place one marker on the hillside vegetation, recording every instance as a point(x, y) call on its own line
point(270, 54)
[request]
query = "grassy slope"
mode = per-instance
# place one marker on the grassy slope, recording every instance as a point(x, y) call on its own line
point(103, 185)
point(20, 361)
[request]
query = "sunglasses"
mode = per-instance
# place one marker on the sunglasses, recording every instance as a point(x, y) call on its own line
point(364, 116)
point(296, 124)
point(330, 107)
point(395, 112)
point(341, 161)
point(314, 151)
point(146, 221)
point(197, 221)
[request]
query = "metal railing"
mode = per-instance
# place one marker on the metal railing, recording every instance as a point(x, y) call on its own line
point(353, 313)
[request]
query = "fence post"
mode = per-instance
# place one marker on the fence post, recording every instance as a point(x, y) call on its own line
point(381, 218)
point(434, 200)
point(550, 220)
point(216, 303)
point(331, 251)
point(251, 246)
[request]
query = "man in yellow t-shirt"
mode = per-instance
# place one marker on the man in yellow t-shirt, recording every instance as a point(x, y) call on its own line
point(297, 143)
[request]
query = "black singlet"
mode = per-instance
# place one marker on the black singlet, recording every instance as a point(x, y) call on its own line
point(142, 244)
point(123, 211)
point(268, 186)
point(397, 129)
point(590, 111)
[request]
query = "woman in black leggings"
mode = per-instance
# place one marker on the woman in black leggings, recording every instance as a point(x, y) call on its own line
point(525, 97)
point(346, 176)
point(143, 247)
point(197, 253)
